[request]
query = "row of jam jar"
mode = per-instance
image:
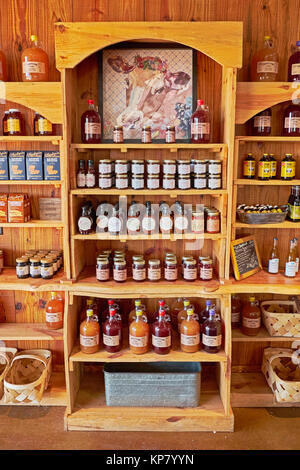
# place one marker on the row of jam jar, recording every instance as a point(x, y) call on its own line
point(123, 174)
point(13, 124)
point(39, 264)
point(117, 267)
point(193, 334)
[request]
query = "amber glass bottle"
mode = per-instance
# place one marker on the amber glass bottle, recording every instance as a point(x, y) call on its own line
point(264, 167)
point(89, 334)
point(139, 334)
point(251, 318)
point(261, 123)
point(55, 312)
point(189, 333)
point(35, 63)
point(265, 63)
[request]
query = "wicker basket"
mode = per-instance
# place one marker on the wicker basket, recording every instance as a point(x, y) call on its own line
point(27, 377)
point(281, 324)
point(267, 218)
point(282, 375)
point(6, 355)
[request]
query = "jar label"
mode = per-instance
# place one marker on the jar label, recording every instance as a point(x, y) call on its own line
point(249, 168)
point(200, 167)
point(105, 167)
point(89, 340)
point(92, 128)
point(206, 273)
point(34, 67)
point(184, 168)
point(190, 340)
point(139, 274)
point(137, 183)
point(290, 269)
point(146, 137)
point(121, 183)
point(184, 183)
point(46, 271)
point(35, 271)
point(214, 183)
point(13, 125)
point(54, 317)
point(198, 225)
point(153, 183)
point(235, 317)
point(80, 180)
point(148, 224)
point(161, 341)
point(138, 341)
point(90, 180)
point(200, 128)
point(200, 183)
point(288, 169)
point(118, 136)
point(114, 225)
point(120, 274)
point(169, 169)
point(169, 183)
point(121, 168)
point(213, 225)
point(171, 274)
point(273, 168)
point(154, 274)
point(212, 340)
point(153, 168)
point(181, 222)
point(22, 270)
point(294, 212)
point(295, 69)
point(166, 223)
point(102, 222)
point(292, 122)
point(133, 225)
point(170, 137)
point(267, 66)
point(215, 168)
point(137, 168)
point(262, 121)
point(111, 340)
point(273, 266)
point(102, 274)
point(251, 322)
point(105, 183)
point(264, 169)
point(190, 274)
point(44, 125)
point(84, 223)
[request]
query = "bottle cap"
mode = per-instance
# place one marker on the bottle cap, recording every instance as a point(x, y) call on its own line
point(89, 302)
point(267, 37)
point(161, 303)
point(139, 312)
point(252, 299)
point(110, 302)
point(208, 302)
point(297, 43)
point(190, 311)
point(112, 312)
point(33, 37)
point(212, 311)
point(186, 303)
point(200, 102)
point(90, 101)
point(53, 294)
point(89, 313)
point(137, 303)
point(162, 313)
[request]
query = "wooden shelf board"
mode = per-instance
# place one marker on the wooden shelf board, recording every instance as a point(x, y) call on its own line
point(263, 282)
point(87, 282)
point(34, 223)
point(243, 182)
point(127, 146)
point(9, 281)
point(148, 192)
point(252, 138)
point(55, 139)
point(250, 389)
point(92, 414)
point(158, 236)
point(263, 336)
point(29, 332)
point(282, 225)
point(55, 395)
point(30, 183)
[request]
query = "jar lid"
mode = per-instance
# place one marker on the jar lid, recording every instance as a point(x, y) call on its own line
point(45, 261)
point(154, 262)
point(102, 260)
point(170, 128)
point(195, 160)
point(171, 260)
point(120, 262)
point(146, 128)
point(121, 175)
point(140, 162)
point(105, 175)
point(199, 175)
point(190, 261)
point(121, 161)
point(217, 162)
point(212, 211)
point(35, 259)
point(168, 177)
point(25, 258)
point(105, 160)
point(183, 162)
point(139, 261)
point(195, 214)
point(206, 261)
point(184, 177)
point(137, 176)
point(201, 258)
point(20, 260)
point(153, 161)
point(187, 257)
point(169, 162)
point(118, 128)
point(136, 257)
point(153, 176)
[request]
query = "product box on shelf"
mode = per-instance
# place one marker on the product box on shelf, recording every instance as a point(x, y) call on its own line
point(4, 174)
point(50, 208)
point(3, 207)
point(17, 166)
point(51, 165)
point(18, 208)
point(34, 165)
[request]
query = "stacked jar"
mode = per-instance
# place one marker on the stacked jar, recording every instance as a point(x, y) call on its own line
point(137, 174)
point(105, 171)
point(199, 173)
point(183, 174)
point(153, 174)
point(205, 267)
point(169, 174)
point(122, 174)
point(214, 174)
point(170, 267)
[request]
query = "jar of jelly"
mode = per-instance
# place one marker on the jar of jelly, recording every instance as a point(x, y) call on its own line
point(214, 182)
point(137, 167)
point(102, 269)
point(153, 182)
point(121, 181)
point(171, 269)
point(22, 268)
point(139, 270)
point(214, 167)
point(184, 181)
point(170, 135)
point(35, 267)
point(199, 181)
point(183, 167)
point(105, 181)
point(105, 166)
point(190, 269)
point(169, 181)
point(153, 167)
point(46, 268)
point(154, 270)
point(197, 225)
point(120, 271)
point(121, 167)
point(146, 135)
point(199, 166)
point(137, 181)
point(212, 221)
point(206, 269)
point(169, 167)
point(118, 135)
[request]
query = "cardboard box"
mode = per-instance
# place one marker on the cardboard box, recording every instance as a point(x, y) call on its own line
point(17, 167)
point(34, 165)
point(50, 208)
point(4, 173)
point(51, 165)
point(18, 208)
point(3, 207)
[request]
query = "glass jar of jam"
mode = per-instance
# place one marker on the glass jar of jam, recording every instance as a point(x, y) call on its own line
point(139, 270)
point(146, 135)
point(105, 166)
point(199, 166)
point(153, 167)
point(169, 167)
point(153, 182)
point(214, 182)
point(102, 269)
point(169, 181)
point(212, 221)
point(121, 167)
point(170, 135)
point(35, 267)
point(199, 181)
point(15, 123)
point(214, 167)
point(206, 269)
point(184, 182)
point(137, 181)
point(183, 167)
point(154, 270)
point(197, 225)
point(171, 269)
point(137, 167)
point(121, 181)
point(52, 260)
point(46, 268)
point(190, 269)
point(118, 135)
point(22, 268)
point(41, 125)
point(105, 181)
point(120, 271)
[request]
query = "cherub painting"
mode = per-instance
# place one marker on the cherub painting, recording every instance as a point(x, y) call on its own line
point(150, 87)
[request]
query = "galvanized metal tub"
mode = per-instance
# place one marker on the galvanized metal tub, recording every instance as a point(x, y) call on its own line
point(166, 384)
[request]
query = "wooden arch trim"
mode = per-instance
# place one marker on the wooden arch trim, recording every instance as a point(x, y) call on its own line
point(219, 40)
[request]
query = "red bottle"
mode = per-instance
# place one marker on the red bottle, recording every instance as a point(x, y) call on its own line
point(112, 333)
point(294, 65)
point(161, 335)
point(91, 125)
point(212, 333)
point(291, 121)
point(200, 124)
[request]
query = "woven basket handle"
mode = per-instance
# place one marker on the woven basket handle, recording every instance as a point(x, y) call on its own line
point(5, 356)
point(30, 356)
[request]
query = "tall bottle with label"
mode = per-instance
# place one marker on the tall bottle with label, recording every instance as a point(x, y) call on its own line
point(273, 263)
point(189, 333)
point(290, 263)
point(294, 65)
point(85, 221)
point(249, 167)
point(212, 333)
point(288, 167)
point(264, 168)
point(91, 125)
point(200, 124)
point(181, 221)
point(204, 314)
point(3, 69)
point(115, 222)
point(166, 220)
point(80, 177)
point(294, 204)
point(251, 318)
point(265, 63)
point(90, 177)
point(291, 121)
point(55, 312)
point(139, 334)
point(133, 219)
point(235, 311)
point(89, 333)
point(35, 62)
point(261, 123)
point(149, 222)
point(112, 333)
point(161, 335)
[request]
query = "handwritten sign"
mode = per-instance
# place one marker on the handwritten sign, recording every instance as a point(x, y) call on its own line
point(245, 257)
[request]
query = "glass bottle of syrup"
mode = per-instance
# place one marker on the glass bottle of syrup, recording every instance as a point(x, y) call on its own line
point(55, 312)
point(80, 177)
point(261, 123)
point(251, 318)
point(204, 314)
point(212, 333)
point(290, 263)
point(294, 65)
point(183, 313)
point(89, 334)
point(162, 305)
point(200, 124)
point(3, 69)
point(35, 62)
point(288, 167)
point(294, 204)
point(189, 333)
point(264, 167)
point(161, 335)
point(91, 125)
point(90, 177)
point(137, 306)
point(265, 63)
point(112, 333)
point(139, 334)
point(291, 121)
point(273, 263)
point(235, 311)
point(85, 221)
point(249, 165)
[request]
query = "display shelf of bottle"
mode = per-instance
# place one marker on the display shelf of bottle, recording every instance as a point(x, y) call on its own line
point(148, 192)
point(263, 336)
point(263, 282)
point(139, 146)
point(55, 395)
point(91, 413)
point(278, 138)
point(53, 139)
point(9, 281)
point(273, 182)
point(250, 389)
point(29, 332)
point(143, 236)
point(286, 224)
point(34, 223)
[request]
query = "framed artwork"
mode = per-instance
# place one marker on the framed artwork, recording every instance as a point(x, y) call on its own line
point(147, 86)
